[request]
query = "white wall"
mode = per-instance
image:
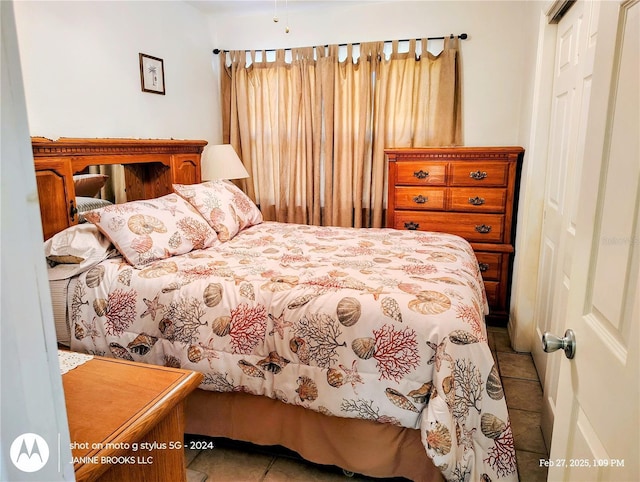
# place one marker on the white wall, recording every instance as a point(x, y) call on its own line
point(492, 57)
point(82, 77)
point(80, 63)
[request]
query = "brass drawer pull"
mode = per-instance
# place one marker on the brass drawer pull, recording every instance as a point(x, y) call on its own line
point(483, 267)
point(421, 174)
point(411, 226)
point(483, 229)
point(420, 199)
point(476, 201)
point(478, 175)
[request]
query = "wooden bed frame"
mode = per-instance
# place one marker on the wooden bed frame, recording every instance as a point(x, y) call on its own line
point(151, 166)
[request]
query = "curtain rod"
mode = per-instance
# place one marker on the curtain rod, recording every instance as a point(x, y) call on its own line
point(462, 36)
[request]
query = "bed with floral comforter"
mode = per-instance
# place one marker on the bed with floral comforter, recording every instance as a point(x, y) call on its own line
point(367, 323)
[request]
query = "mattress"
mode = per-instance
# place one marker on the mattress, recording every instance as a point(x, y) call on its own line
point(59, 299)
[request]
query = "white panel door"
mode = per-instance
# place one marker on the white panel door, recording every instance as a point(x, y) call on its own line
point(575, 46)
point(595, 434)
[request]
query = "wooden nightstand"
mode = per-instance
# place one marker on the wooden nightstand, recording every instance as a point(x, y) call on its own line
point(116, 406)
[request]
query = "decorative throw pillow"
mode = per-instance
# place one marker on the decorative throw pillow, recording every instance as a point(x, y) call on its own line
point(88, 185)
point(225, 207)
point(146, 231)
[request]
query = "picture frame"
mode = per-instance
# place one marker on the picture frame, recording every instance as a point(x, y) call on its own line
point(152, 74)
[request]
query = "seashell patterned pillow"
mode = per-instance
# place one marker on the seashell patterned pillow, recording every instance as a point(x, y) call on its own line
point(226, 208)
point(153, 229)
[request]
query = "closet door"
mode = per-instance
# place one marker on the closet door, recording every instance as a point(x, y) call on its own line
point(573, 69)
point(597, 408)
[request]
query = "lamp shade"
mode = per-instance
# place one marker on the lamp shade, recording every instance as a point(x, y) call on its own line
point(223, 163)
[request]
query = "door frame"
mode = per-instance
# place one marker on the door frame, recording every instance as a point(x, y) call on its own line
point(523, 330)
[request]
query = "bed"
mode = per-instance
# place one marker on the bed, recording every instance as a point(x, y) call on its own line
point(360, 348)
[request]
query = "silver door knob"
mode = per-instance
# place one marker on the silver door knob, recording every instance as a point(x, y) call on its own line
point(552, 343)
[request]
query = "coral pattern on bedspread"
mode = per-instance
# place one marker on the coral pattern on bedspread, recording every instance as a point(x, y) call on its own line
point(377, 324)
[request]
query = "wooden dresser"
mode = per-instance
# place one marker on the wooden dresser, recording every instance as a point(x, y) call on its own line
point(468, 191)
point(150, 167)
point(126, 420)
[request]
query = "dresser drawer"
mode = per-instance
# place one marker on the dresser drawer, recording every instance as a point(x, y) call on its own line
point(481, 200)
point(482, 228)
point(421, 173)
point(490, 264)
point(419, 198)
point(492, 288)
point(479, 174)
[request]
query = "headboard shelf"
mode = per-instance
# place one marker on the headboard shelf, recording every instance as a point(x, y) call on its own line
point(72, 146)
point(150, 166)
point(89, 152)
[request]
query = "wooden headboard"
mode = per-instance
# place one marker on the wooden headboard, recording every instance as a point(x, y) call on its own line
point(151, 166)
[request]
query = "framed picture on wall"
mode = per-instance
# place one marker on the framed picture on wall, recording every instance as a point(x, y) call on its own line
point(151, 74)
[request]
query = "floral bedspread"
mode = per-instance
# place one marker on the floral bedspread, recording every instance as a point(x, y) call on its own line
point(377, 324)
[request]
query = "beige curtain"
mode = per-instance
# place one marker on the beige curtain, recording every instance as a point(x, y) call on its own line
point(272, 129)
point(418, 104)
point(349, 188)
point(312, 131)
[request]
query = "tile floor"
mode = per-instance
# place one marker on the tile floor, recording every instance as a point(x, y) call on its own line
point(233, 462)
point(524, 400)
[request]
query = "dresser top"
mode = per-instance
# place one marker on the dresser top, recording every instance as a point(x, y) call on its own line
point(452, 153)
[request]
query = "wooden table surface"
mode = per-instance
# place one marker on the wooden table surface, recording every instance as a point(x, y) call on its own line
point(113, 403)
